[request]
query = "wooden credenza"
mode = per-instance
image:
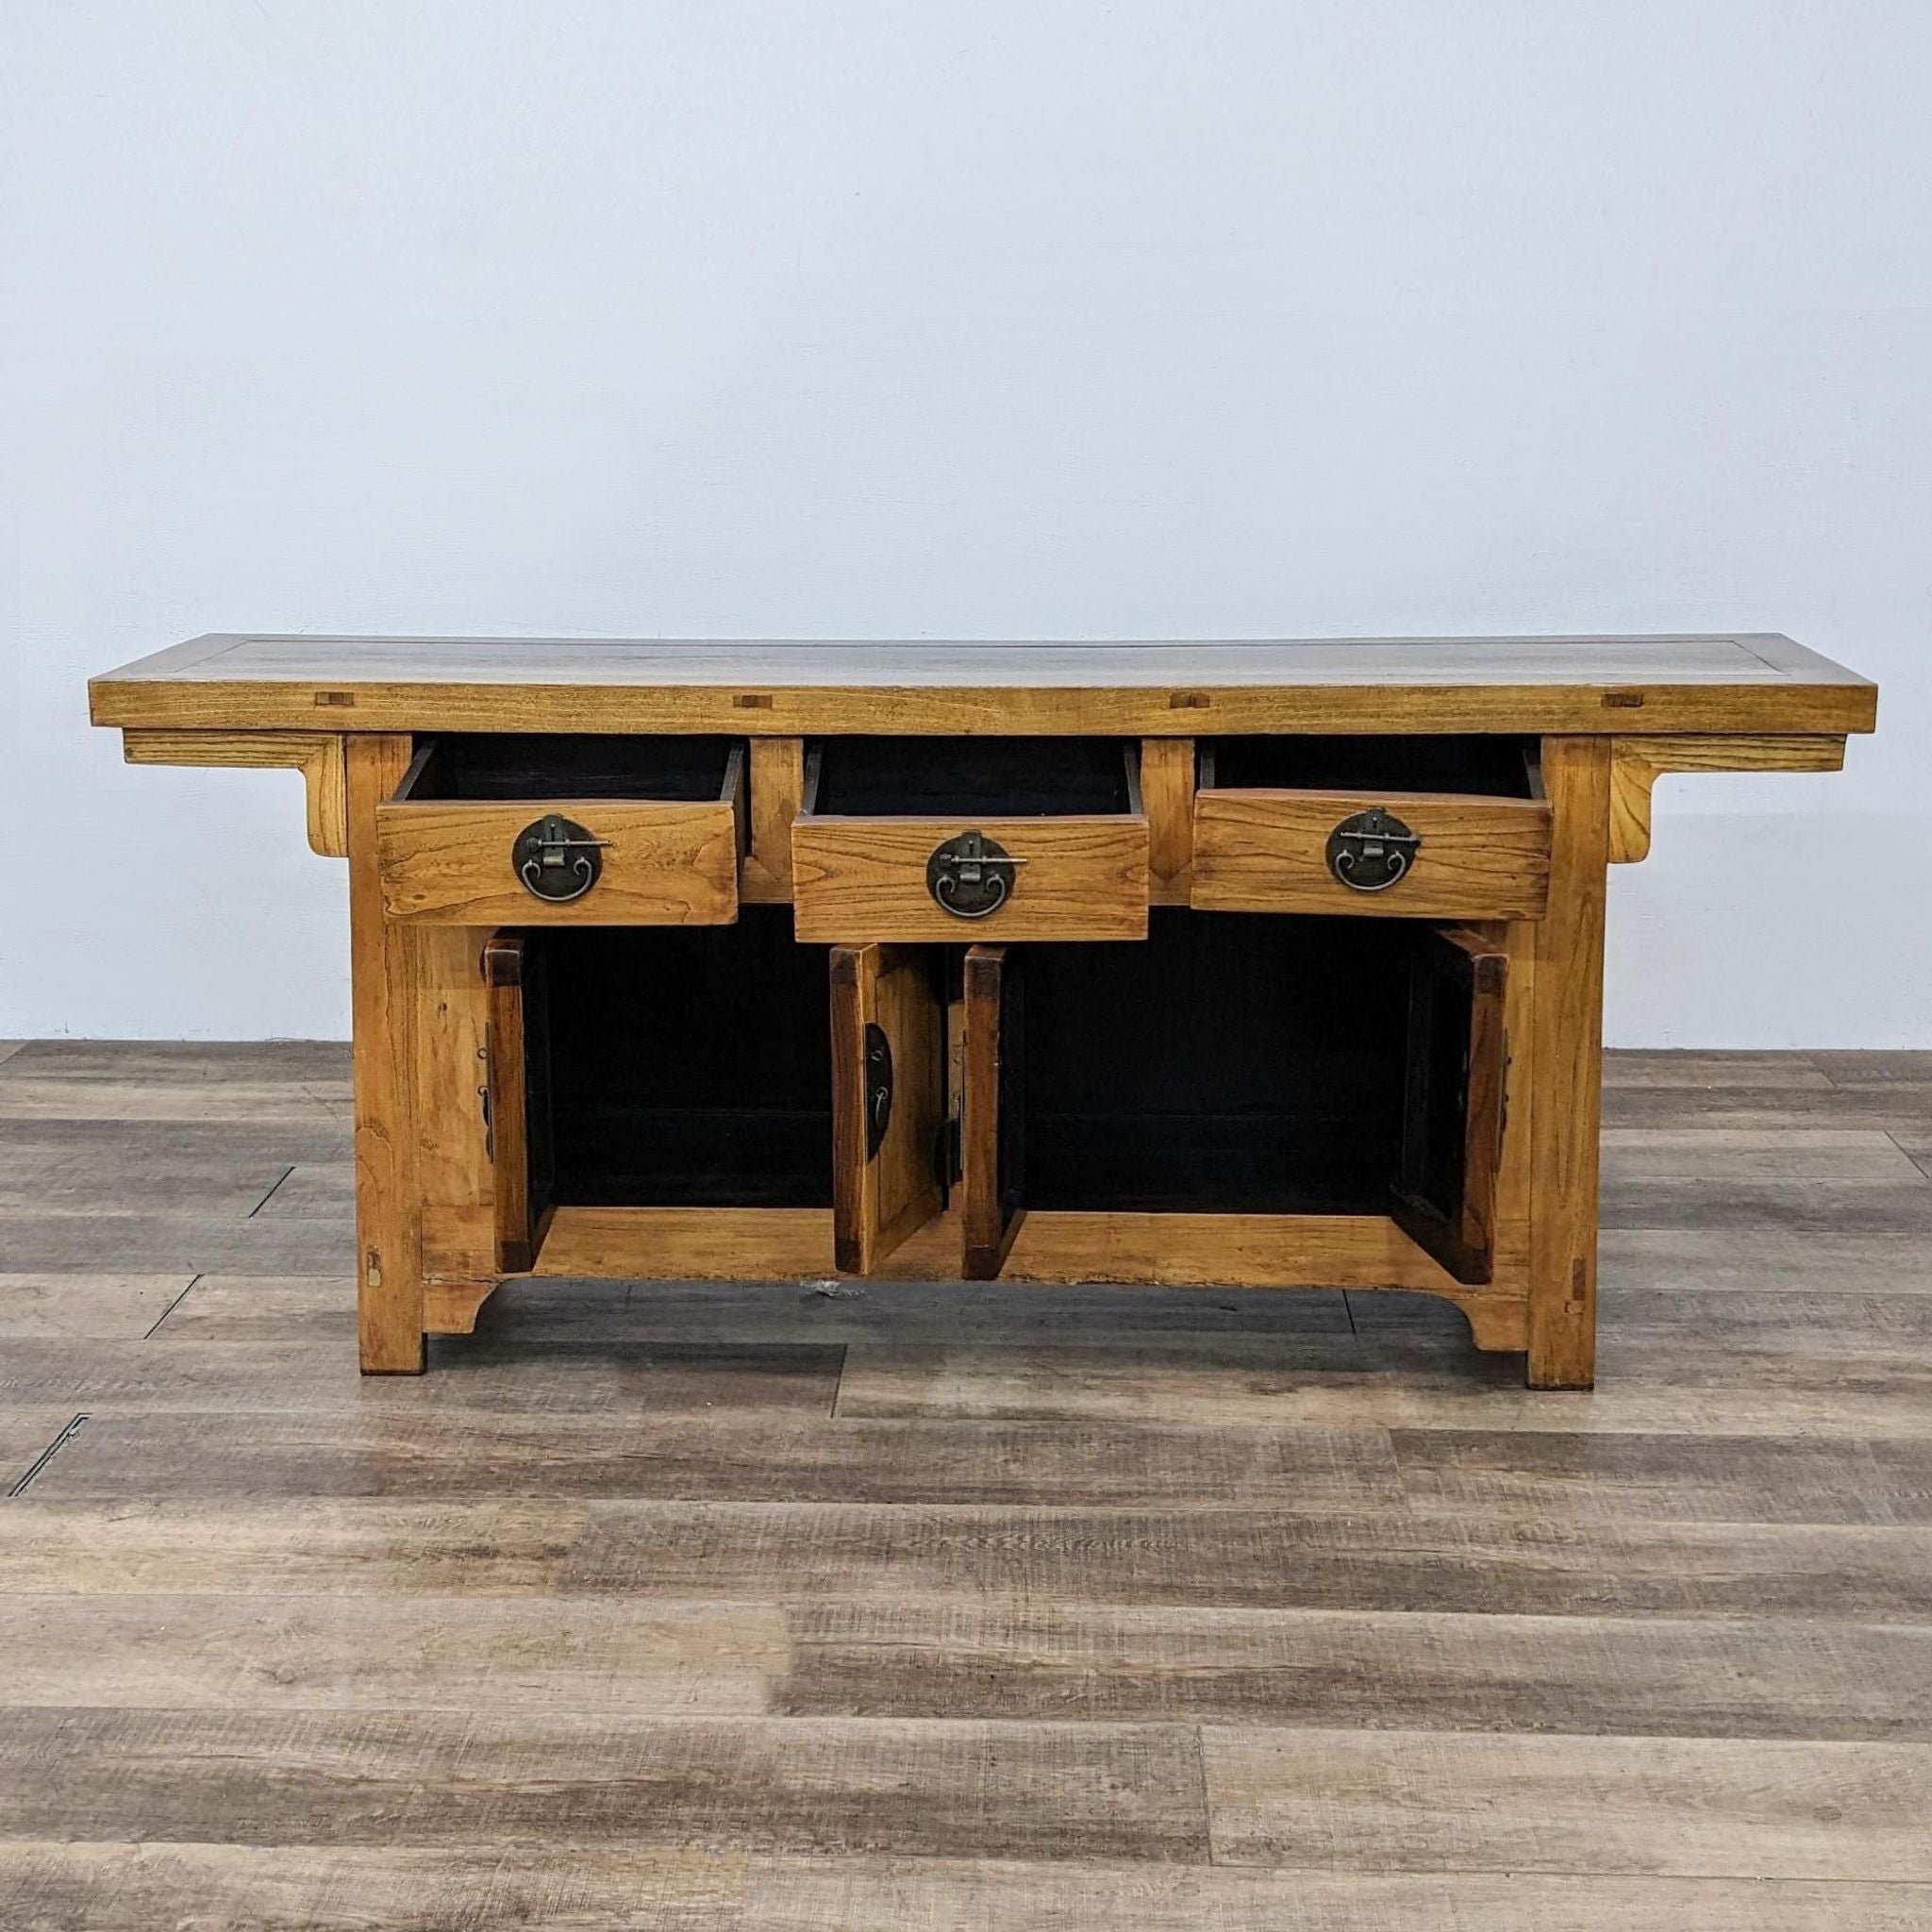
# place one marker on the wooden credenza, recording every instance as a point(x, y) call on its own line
point(1262, 964)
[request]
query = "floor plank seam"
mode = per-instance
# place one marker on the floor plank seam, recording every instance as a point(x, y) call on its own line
point(270, 1195)
point(1922, 1161)
point(176, 1303)
point(48, 1454)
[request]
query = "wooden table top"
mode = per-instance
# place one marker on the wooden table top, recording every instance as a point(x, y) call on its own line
point(1759, 682)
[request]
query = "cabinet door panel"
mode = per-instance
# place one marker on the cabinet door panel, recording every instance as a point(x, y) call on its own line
point(1453, 1113)
point(992, 1154)
point(888, 1099)
point(517, 1095)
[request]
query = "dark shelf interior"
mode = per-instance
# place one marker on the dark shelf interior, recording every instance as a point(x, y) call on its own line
point(689, 1066)
point(970, 777)
point(1493, 766)
point(492, 766)
point(1231, 1063)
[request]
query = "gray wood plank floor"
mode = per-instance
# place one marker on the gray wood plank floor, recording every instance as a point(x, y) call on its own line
point(756, 1610)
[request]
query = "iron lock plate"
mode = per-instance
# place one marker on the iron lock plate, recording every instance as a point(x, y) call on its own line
point(1370, 851)
point(557, 859)
point(878, 1087)
point(971, 876)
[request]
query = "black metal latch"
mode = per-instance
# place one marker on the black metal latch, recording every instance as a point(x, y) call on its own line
point(1371, 850)
point(557, 859)
point(971, 877)
point(879, 1087)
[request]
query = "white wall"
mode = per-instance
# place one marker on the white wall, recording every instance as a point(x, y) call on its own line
point(963, 318)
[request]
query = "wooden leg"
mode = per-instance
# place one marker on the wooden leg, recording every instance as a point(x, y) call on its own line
point(389, 1267)
point(1567, 1068)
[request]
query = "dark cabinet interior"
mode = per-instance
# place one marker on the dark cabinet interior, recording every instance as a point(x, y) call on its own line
point(1473, 765)
point(507, 765)
point(969, 777)
point(1242, 1064)
point(1228, 1064)
point(675, 1067)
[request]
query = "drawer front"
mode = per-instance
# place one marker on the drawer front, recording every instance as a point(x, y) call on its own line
point(1268, 851)
point(659, 863)
point(856, 879)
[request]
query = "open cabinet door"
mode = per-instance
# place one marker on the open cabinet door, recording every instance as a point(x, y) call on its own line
point(516, 1097)
point(888, 1099)
point(991, 1118)
point(1452, 1125)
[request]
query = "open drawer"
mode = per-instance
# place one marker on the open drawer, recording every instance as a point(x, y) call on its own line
point(1427, 827)
point(1296, 1067)
point(565, 831)
point(910, 839)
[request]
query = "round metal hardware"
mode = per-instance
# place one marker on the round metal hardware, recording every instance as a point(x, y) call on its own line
point(879, 1087)
point(557, 859)
point(1372, 850)
point(970, 876)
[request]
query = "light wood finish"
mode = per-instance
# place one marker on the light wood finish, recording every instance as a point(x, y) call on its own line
point(777, 795)
point(881, 1196)
point(449, 1043)
point(665, 864)
point(689, 1243)
point(1568, 1069)
point(1181, 1608)
point(1743, 682)
point(505, 1055)
point(1205, 1251)
point(319, 756)
point(864, 879)
point(1639, 762)
point(432, 880)
point(1266, 851)
point(451, 1308)
point(988, 1221)
point(383, 978)
point(1166, 791)
point(1460, 963)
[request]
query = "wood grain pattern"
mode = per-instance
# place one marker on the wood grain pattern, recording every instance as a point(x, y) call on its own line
point(77, 1304)
point(777, 781)
point(939, 1895)
point(774, 1443)
point(882, 1194)
point(1079, 1591)
point(1719, 1677)
point(1637, 762)
point(1568, 1069)
point(377, 1652)
point(664, 863)
point(989, 1222)
point(1645, 1806)
point(383, 977)
point(1266, 851)
point(230, 1887)
point(319, 756)
point(608, 1889)
point(1463, 968)
point(1175, 1250)
point(1746, 682)
point(1166, 791)
point(864, 879)
point(513, 1215)
point(321, 1777)
point(1270, 1558)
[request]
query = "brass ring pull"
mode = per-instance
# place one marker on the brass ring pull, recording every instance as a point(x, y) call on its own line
point(1371, 850)
point(557, 859)
point(971, 877)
